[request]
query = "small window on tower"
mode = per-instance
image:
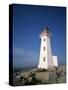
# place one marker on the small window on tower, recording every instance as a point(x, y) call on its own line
point(44, 39)
point(44, 59)
point(44, 48)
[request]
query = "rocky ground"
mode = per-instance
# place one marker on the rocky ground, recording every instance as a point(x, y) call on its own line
point(40, 76)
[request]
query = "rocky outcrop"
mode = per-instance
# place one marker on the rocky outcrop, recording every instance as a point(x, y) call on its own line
point(41, 76)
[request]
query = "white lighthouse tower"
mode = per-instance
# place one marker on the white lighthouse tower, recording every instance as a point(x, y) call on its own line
point(46, 58)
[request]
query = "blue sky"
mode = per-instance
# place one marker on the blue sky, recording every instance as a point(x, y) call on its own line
point(28, 22)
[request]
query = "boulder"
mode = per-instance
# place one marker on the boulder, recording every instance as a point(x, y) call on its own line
point(42, 76)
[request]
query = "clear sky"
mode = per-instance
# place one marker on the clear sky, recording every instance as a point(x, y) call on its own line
point(28, 22)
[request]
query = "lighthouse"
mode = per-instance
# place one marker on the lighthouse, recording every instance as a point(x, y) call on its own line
point(46, 60)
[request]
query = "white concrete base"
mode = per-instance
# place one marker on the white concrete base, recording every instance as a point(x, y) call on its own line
point(55, 61)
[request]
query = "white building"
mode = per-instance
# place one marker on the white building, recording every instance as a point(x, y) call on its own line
point(46, 60)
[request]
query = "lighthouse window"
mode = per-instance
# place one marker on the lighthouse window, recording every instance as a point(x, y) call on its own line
point(44, 39)
point(44, 48)
point(44, 59)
